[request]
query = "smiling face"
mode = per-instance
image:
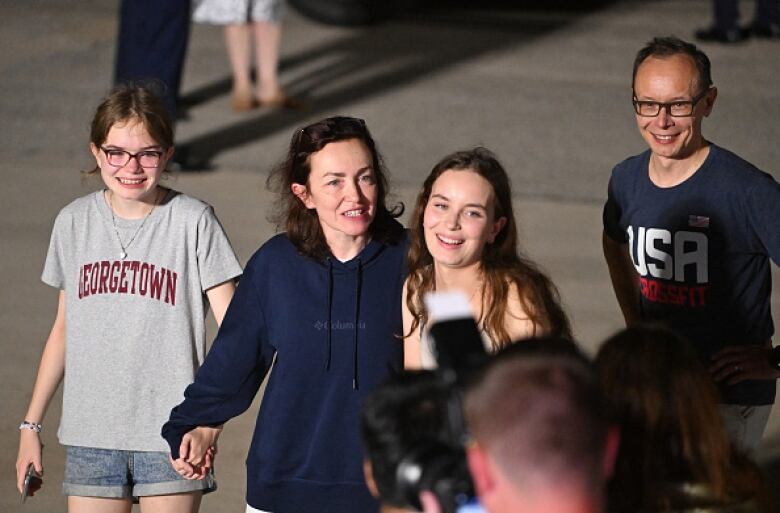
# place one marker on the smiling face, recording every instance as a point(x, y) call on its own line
point(669, 79)
point(342, 189)
point(131, 182)
point(459, 218)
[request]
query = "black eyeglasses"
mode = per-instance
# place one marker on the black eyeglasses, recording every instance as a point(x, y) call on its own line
point(331, 129)
point(120, 158)
point(676, 109)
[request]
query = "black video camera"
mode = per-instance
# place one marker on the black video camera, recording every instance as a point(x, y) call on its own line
point(436, 466)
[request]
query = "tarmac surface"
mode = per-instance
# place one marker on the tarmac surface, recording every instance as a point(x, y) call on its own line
point(548, 91)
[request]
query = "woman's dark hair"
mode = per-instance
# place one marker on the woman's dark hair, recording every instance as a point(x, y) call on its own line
point(128, 102)
point(501, 264)
point(665, 403)
point(302, 224)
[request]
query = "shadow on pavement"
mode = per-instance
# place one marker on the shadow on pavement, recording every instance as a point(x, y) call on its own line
point(377, 59)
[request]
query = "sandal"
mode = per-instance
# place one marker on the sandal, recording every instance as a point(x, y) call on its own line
point(242, 101)
point(281, 101)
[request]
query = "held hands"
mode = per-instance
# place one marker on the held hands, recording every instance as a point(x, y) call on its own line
point(189, 471)
point(29, 453)
point(197, 452)
point(734, 364)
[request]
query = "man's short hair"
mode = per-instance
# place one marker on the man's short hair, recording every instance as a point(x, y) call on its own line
point(408, 411)
point(663, 47)
point(536, 410)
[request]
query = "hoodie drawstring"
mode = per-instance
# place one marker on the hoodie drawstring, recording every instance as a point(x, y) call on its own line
point(358, 286)
point(330, 305)
point(356, 323)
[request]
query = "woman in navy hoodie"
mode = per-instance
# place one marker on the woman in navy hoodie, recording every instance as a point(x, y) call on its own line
point(323, 300)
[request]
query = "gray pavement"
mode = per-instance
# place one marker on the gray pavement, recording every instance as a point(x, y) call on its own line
point(548, 91)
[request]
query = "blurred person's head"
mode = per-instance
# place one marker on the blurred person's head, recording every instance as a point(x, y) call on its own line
point(464, 219)
point(659, 394)
point(331, 184)
point(404, 415)
point(672, 94)
point(541, 441)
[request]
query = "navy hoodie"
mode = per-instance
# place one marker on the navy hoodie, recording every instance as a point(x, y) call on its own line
point(332, 327)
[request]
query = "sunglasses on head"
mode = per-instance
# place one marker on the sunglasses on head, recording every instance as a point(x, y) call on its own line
point(331, 129)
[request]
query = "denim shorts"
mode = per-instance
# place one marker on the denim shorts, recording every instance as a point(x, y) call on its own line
point(91, 472)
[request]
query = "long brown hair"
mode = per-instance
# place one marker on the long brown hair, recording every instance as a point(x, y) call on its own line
point(301, 224)
point(501, 264)
point(664, 401)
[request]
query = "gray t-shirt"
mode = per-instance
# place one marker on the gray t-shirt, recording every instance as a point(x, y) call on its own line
point(135, 328)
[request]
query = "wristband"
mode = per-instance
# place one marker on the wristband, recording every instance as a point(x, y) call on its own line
point(32, 426)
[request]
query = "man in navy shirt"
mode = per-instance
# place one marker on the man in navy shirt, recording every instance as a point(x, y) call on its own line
point(689, 229)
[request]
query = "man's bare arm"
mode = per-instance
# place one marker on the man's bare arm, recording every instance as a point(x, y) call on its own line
point(624, 278)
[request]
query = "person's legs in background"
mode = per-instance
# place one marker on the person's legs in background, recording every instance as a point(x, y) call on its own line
point(263, 35)
point(726, 14)
point(726, 26)
point(268, 36)
point(239, 49)
point(767, 20)
point(152, 44)
point(267, 30)
point(726, 29)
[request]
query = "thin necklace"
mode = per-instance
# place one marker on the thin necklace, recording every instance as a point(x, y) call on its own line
point(124, 247)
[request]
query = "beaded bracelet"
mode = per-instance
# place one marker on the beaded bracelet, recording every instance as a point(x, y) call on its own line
point(32, 426)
